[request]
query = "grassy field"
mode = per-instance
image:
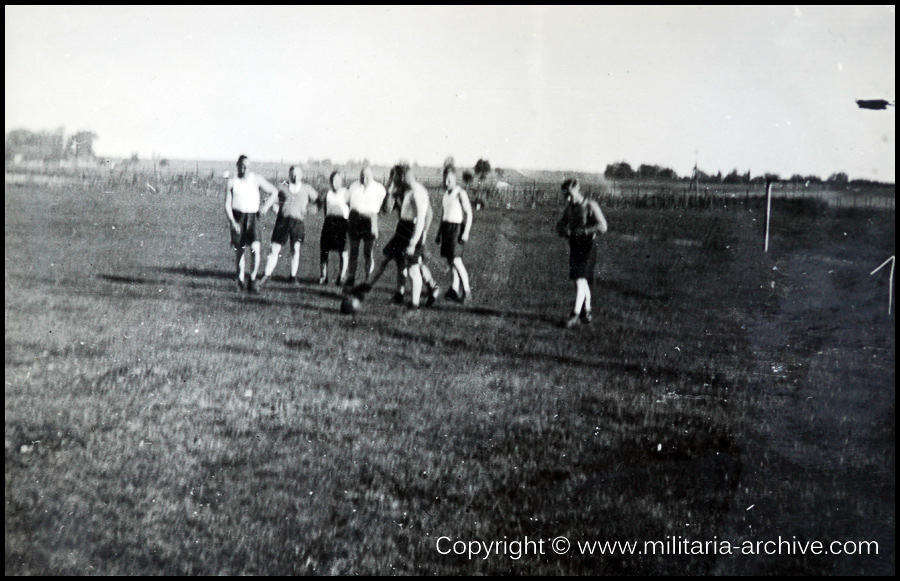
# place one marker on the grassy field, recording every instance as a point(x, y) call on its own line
point(158, 421)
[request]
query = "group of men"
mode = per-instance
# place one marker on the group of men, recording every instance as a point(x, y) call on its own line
point(351, 219)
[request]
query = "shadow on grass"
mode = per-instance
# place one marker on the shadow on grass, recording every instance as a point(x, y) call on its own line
point(512, 352)
point(127, 279)
point(197, 272)
point(262, 300)
point(627, 291)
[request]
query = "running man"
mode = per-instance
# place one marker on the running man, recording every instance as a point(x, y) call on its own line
point(334, 230)
point(407, 247)
point(242, 208)
point(289, 225)
point(456, 223)
point(367, 197)
point(581, 221)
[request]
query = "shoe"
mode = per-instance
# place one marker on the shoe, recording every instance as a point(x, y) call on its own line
point(323, 279)
point(295, 280)
point(433, 296)
point(263, 281)
point(397, 299)
point(452, 295)
point(253, 287)
point(340, 282)
point(240, 284)
point(349, 283)
point(571, 321)
point(466, 296)
point(412, 309)
point(586, 317)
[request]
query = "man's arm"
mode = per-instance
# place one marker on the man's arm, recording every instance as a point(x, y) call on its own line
point(467, 215)
point(229, 195)
point(599, 226)
point(313, 193)
point(270, 202)
point(266, 186)
point(562, 227)
point(420, 199)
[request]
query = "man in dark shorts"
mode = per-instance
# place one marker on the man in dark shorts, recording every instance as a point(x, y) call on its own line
point(407, 247)
point(581, 221)
point(242, 209)
point(456, 223)
point(334, 228)
point(290, 223)
point(367, 198)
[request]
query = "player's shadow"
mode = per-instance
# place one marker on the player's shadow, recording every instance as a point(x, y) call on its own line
point(509, 314)
point(127, 279)
point(630, 292)
point(196, 272)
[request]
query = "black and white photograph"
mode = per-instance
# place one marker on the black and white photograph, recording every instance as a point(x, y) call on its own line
point(450, 290)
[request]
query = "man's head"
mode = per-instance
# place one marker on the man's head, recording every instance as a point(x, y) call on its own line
point(336, 180)
point(399, 180)
point(295, 174)
point(449, 177)
point(365, 176)
point(572, 190)
point(242, 165)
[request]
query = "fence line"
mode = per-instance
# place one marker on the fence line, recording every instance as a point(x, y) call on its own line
point(612, 194)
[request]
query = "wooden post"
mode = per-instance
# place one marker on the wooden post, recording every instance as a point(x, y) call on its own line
point(891, 286)
point(768, 209)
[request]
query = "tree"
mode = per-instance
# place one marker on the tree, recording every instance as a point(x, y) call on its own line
point(482, 168)
point(81, 145)
point(619, 170)
point(734, 177)
point(27, 145)
point(499, 173)
point(838, 178)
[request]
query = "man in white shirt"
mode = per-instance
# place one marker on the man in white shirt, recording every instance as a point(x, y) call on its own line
point(242, 204)
point(367, 198)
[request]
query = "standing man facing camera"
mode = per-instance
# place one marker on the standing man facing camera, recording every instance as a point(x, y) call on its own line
point(242, 203)
point(367, 198)
point(289, 225)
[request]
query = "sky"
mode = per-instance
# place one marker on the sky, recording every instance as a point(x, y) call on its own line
point(764, 89)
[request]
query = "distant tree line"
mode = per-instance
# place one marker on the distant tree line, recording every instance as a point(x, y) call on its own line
point(622, 170)
point(48, 146)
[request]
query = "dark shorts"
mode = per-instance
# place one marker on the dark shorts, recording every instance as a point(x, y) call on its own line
point(395, 249)
point(451, 245)
point(582, 258)
point(288, 229)
point(334, 234)
point(361, 226)
point(248, 229)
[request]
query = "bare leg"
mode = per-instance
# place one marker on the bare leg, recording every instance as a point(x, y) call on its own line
point(353, 258)
point(369, 249)
point(295, 260)
point(581, 295)
point(239, 263)
point(344, 260)
point(460, 272)
point(415, 275)
point(255, 251)
point(378, 272)
point(454, 285)
point(272, 261)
